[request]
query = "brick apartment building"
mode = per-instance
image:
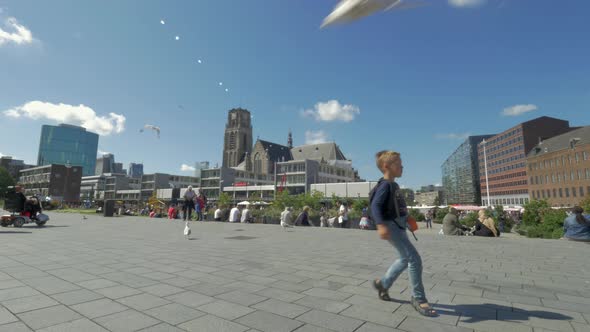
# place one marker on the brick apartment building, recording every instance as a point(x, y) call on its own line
point(506, 159)
point(558, 169)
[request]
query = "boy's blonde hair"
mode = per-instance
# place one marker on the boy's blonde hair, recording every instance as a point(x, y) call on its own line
point(385, 157)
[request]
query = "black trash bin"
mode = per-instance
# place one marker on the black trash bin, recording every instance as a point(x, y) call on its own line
point(109, 208)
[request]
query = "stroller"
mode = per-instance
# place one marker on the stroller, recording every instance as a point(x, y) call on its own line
point(19, 214)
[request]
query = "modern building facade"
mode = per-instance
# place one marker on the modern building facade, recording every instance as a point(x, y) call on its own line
point(105, 164)
point(13, 166)
point(59, 182)
point(135, 170)
point(460, 173)
point(506, 159)
point(67, 144)
point(558, 169)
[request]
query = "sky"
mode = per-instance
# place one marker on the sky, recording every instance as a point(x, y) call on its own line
point(417, 81)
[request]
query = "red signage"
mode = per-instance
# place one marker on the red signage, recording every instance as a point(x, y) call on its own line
point(240, 184)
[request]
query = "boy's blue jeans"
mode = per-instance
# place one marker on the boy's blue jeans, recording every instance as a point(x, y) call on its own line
point(408, 258)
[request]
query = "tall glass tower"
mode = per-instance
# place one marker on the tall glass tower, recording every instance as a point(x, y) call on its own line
point(67, 144)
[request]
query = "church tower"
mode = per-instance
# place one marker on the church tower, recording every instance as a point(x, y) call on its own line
point(290, 140)
point(237, 141)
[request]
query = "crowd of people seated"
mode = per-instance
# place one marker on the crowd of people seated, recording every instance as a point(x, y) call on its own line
point(484, 226)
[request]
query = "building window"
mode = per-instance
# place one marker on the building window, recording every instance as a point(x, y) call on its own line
point(572, 175)
point(580, 177)
point(546, 179)
point(577, 157)
point(587, 173)
point(554, 193)
point(581, 191)
point(567, 192)
point(574, 193)
point(557, 162)
point(585, 155)
point(561, 192)
point(552, 178)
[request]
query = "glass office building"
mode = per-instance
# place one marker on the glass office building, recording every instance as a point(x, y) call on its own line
point(65, 144)
point(460, 173)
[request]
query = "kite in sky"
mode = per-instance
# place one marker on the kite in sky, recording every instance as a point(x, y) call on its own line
point(151, 127)
point(351, 10)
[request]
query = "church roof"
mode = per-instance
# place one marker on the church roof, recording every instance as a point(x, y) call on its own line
point(325, 151)
point(276, 152)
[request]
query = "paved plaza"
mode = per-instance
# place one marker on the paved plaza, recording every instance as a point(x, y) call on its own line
point(139, 274)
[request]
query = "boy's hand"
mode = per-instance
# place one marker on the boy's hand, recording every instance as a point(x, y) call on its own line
point(383, 232)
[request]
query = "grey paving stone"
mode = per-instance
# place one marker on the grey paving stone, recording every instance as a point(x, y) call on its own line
point(330, 321)
point(77, 296)
point(162, 328)
point(98, 308)
point(495, 326)
point(370, 327)
point(290, 286)
point(267, 322)
point(239, 297)
point(209, 289)
point(413, 324)
point(97, 283)
point(528, 319)
point(18, 292)
point(29, 303)
point(322, 304)
point(324, 284)
point(156, 275)
point(226, 310)
point(6, 316)
point(327, 294)
point(245, 286)
point(311, 328)
point(143, 301)
point(182, 282)
point(51, 285)
point(10, 283)
point(190, 299)
point(38, 319)
point(162, 289)
point(580, 327)
point(280, 294)
point(80, 325)
point(574, 299)
point(15, 327)
point(72, 275)
point(373, 302)
point(174, 313)
point(126, 321)
point(285, 309)
point(372, 315)
point(569, 306)
point(211, 323)
point(117, 292)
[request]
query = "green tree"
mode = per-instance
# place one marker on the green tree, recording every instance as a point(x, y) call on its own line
point(534, 211)
point(224, 200)
point(585, 204)
point(5, 181)
point(254, 196)
point(284, 199)
point(437, 201)
point(416, 214)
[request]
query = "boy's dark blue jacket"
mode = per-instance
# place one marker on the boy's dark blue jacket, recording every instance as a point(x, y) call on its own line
point(382, 207)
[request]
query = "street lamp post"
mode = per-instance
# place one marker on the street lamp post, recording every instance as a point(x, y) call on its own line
point(485, 162)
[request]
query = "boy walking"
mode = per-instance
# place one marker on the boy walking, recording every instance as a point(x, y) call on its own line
point(390, 214)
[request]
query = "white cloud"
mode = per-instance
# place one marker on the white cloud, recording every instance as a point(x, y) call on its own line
point(19, 35)
point(332, 110)
point(315, 137)
point(466, 3)
point(186, 168)
point(517, 110)
point(100, 152)
point(453, 136)
point(77, 115)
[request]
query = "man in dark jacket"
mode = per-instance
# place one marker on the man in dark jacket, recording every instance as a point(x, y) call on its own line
point(451, 225)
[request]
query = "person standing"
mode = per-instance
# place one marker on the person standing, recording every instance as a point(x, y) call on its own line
point(234, 214)
point(429, 217)
point(187, 209)
point(390, 213)
point(343, 215)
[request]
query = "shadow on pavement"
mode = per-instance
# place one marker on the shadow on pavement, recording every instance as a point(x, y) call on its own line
point(44, 226)
point(14, 232)
point(477, 312)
